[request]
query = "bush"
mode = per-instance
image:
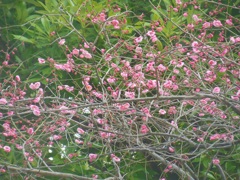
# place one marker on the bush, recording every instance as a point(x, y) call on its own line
point(119, 90)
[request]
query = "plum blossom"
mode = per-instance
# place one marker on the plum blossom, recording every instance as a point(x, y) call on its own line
point(138, 50)
point(35, 86)
point(17, 78)
point(124, 107)
point(85, 54)
point(216, 90)
point(151, 84)
point(41, 60)
point(178, 2)
point(138, 39)
point(7, 149)
point(80, 131)
point(217, 23)
point(162, 68)
point(171, 149)
point(30, 131)
point(61, 42)
point(215, 161)
point(115, 158)
point(144, 129)
point(215, 137)
point(229, 22)
point(35, 109)
point(130, 95)
point(111, 80)
point(162, 111)
point(146, 112)
point(92, 157)
point(195, 18)
point(115, 24)
point(3, 101)
point(206, 25)
point(75, 51)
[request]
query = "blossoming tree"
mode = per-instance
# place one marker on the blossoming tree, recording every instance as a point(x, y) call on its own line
point(94, 90)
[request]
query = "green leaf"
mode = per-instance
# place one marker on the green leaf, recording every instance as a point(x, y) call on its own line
point(210, 176)
point(159, 45)
point(46, 24)
point(23, 39)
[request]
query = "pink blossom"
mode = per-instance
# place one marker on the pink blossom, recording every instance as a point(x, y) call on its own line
point(162, 111)
point(101, 121)
point(94, 176)
point(115, 24)
point(154, 38)
point(195, 18)
point(57, 137)
point(171, 149)
point(108, 57)
point(232, 40)
point(146, 112)
point(92, 157)
point(138, 39)
point(35, 86)
point(130, 95)
point(3, 101)
point(162, 68)
point(175, 9)
point(190, 27)
point(7, 149)
point(159, 29)
point(185, 14)
point(115, 158)
point(124, 74)
point(178, 2)
point(217, 23)
point(206, 25)
point(104, 135)
point(102, 17)
point(138, 50)
point(75, 51)
point(151, 33)
point(212, 63)
point(124, 107)
point(151, 84)
point(215, 137)
point(216, 90)
point(30, 158)
point(172, 110)
point(210, 76)
point(229, 22)
point(10, 113)
point(174, 124)
point(215, 161)
point(35, 110)
point(144, 129)
point(85, 54)
point(168, 84)
point(80, 131)
point(17, 78)
point(86, 45)
point(41, 60)
point(61, 42)
point(77, 141)
point(111, 80)
point(30, 131)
